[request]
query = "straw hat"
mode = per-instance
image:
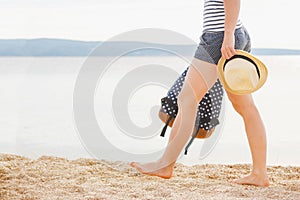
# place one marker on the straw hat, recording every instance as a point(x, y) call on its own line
point(242, 73)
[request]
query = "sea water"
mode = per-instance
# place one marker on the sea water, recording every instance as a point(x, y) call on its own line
point(37, 111)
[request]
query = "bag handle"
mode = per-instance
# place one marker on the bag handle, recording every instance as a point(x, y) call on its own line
point(162, 134)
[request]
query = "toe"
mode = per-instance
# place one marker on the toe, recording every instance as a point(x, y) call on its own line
point(132, 164)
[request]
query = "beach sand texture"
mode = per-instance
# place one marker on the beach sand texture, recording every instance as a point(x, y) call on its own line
point(57, 178)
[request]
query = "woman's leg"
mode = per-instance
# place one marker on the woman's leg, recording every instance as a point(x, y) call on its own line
point(200, 77)
point(256, 135)
point(199, 68)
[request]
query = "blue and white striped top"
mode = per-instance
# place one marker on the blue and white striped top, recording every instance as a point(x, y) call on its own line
point(214, 16)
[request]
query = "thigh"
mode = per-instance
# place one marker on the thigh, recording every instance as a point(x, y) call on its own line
point(200, 77)
point(240, 100)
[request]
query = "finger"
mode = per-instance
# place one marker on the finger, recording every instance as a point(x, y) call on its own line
point(228, 52)
point(232, 51)
point(224, 53)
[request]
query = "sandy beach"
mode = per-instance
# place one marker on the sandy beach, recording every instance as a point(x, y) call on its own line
point(57, 178)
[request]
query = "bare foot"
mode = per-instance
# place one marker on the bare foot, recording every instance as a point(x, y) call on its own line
point(153, 169)
point(254, 179)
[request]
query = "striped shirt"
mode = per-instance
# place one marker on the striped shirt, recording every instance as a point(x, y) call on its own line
point(214, 16)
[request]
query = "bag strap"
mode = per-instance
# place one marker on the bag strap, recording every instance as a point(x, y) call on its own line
point(162, 134)
point(191, 140)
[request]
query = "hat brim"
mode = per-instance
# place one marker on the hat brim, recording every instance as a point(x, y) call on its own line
point(261, 67)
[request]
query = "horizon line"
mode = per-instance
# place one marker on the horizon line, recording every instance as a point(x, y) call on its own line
point(101, 41)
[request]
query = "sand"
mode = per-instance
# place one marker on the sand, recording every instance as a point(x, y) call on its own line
point(57, 178)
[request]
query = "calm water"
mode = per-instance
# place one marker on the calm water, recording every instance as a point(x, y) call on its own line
point(37, 110)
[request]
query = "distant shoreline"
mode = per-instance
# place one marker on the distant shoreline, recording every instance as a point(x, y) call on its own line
point(75, 48)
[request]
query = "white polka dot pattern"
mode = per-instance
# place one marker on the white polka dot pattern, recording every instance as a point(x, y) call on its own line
point(209, 107)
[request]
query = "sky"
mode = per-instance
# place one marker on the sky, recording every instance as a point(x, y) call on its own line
point(271, 23)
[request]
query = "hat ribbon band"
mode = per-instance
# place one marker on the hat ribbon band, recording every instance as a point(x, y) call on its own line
point(244, 57)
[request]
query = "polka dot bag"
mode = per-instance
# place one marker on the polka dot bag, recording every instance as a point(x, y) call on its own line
point(208, 110)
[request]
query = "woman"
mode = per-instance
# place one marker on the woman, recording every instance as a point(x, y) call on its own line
point(222, 34)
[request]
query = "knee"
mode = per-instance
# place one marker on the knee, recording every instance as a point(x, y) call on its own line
point(243, 108)
point(187, 100)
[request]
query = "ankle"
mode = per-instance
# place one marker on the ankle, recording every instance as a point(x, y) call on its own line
point(260, 173)
point(165, 163)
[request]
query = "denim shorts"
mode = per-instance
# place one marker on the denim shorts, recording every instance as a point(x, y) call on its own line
point(209, 48)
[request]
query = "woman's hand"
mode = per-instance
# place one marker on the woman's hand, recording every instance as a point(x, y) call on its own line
point(232, 9)
point(227, 48)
